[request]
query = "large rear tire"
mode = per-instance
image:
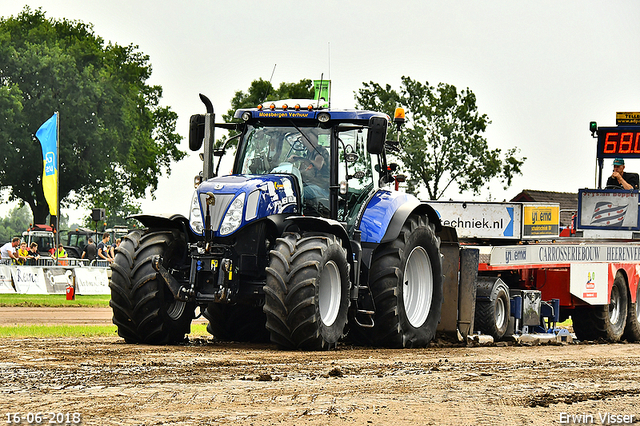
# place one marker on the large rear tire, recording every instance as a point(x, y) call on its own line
point(144, 309)
point(307, 292)
point(604, 321)
point(493, 307)
point(632, 329)
point(406, 284)
point(237, 323)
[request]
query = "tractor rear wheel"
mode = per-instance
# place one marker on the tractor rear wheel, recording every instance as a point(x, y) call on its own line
point(604, 321)
point(237, 323)
point(406, 284)
point(144, 309)
point(307, 291)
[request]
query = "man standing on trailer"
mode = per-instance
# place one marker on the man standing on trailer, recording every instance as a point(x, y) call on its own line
point(620, 179)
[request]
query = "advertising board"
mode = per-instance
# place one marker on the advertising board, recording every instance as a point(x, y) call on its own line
point(611, 209)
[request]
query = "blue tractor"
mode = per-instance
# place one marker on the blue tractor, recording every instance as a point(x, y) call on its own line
point(304, 243)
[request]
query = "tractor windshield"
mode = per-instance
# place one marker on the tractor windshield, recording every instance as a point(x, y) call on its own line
point(297, 150)
point(263, 149)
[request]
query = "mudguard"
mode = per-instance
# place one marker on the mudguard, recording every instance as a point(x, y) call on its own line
point(387, 211)
point(318, 224)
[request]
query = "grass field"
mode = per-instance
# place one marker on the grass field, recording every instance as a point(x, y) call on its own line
point(48, 331)
point(60, 300)
point(53, 300)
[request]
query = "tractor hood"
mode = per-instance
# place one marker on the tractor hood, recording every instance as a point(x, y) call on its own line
point(225, 204)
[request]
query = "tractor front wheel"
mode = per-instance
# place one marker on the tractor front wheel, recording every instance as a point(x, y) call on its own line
point(307, 291)
point(144, 309)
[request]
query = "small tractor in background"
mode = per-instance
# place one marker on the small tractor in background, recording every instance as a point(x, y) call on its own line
point(303, 243)
point(43, 235)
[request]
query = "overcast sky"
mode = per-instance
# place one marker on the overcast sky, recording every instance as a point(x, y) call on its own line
point(541, 70)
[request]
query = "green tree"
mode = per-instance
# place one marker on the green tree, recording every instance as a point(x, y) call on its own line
point(442, 142)
point(262, 91)
point(115, 138)
point(15, 223)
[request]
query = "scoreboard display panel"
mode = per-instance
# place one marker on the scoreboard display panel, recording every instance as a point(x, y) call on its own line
point(620, 141)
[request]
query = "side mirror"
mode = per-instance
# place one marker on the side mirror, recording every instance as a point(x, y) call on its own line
point(196, 132)
point(377, 135)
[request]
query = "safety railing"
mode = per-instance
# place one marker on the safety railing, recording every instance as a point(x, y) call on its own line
point(65, 262)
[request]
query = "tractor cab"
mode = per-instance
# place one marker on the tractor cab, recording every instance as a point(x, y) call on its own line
point(326, 152)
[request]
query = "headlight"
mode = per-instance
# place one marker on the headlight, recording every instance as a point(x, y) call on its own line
point(233, 218)
point(195, 215)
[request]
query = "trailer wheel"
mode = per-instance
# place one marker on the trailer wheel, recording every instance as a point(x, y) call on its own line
point(604, 321)
point(406, 283)
point(307, 291)
point(632, 329)
point(493, 307)
point(238, 323)
point(144, 310)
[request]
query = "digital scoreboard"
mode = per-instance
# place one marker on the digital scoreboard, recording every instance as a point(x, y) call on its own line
point(620, 141)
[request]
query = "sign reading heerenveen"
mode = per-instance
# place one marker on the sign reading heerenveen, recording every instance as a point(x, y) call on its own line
point(563, 254)
point(608, 209)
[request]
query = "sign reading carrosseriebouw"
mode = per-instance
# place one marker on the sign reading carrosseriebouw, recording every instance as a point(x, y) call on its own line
point(481, 220)
point(562, 254)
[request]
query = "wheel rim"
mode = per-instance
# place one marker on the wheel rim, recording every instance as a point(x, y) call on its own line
point(418, 287)
point(329, 293)
point(500, 312)
point(614, 305)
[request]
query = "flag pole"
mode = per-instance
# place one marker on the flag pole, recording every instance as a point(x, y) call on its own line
point(57, 235)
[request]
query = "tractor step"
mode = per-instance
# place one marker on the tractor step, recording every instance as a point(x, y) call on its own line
point(369, 317)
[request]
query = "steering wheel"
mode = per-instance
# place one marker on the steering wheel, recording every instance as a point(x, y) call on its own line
point(294, 144)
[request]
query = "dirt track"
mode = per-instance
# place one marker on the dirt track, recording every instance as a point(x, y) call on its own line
point(110, 382)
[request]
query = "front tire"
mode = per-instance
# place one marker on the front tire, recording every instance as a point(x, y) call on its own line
point(307, 292)
point(604, 321)
point(144, 309)
point(406, 283)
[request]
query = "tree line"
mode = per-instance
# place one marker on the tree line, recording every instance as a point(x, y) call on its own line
point(117, 139)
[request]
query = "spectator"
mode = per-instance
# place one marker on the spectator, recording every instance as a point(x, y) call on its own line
point(23, 254)
point(114, 247)
point(90, 251)
point(103, 248)
point(8, 251)
point(34, 255)
point(620, 179)
point(61, 252)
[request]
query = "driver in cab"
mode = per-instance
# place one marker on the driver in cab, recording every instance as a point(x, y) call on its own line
point(314, 168)
point(619, 179)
